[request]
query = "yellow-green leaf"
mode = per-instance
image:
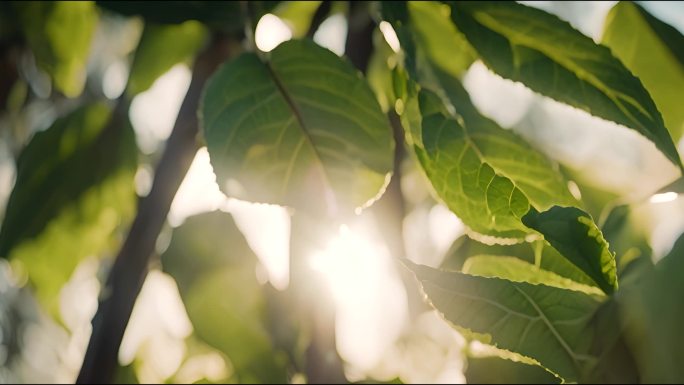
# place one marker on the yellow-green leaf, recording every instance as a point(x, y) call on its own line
point(160, 48)
point(60, 34)
point(654, 51)
point(549, 56)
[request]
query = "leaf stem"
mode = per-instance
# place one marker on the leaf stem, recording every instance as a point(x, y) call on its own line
point(538, 249)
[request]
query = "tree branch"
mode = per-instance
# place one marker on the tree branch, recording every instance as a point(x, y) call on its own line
point(130, 267)
point(359, 44)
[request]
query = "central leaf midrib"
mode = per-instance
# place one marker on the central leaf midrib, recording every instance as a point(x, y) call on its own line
point(571, 353)
point(298, 115)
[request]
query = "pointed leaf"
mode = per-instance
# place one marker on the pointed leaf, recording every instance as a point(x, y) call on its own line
point(303, 130)
point(545, 323)
point(653, 51)
point(574, 234)
point(551, 57)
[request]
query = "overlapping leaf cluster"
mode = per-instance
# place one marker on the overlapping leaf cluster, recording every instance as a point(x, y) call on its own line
point(301, 127)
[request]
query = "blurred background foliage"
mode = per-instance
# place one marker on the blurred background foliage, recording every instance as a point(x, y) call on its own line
point(89, 92)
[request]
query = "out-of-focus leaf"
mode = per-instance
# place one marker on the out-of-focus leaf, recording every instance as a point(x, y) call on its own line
point(495, 370)
point(654, 51)
point(378, 73)
point(297, 14)
point(438, 37)
point(59, 34)
point(160, 48)
point(74, 188)
point(653, 314)
point(549, 56)
point(215, 271)
point(125, 375)
point(547, 324)
point(517, 270)
point(615, 364)
point(486, 175)
point(302, 130)
point(574, 234)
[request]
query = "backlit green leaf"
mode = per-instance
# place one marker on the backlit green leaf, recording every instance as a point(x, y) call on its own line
point(574, 234)
point(160, 48)
point(59, 34)
point(517, 270)
point(488, 176)
point(545, 323)
point(303, 129)
point(550, 57)
point(438, 37)
point(297, 14)
point(654, 51)
point(465, 247)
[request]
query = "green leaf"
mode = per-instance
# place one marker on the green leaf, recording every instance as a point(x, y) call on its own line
point(494, 370)
point(303, 130)
point(488, 176)
point(59, 34)
point(74, 189)
point(653, 51)
point(517, 270)
point(550, 57)
point(549, 259)
point(215, 271)
point(160, 48)
point(444, 45)
point(545, 323)
point(616, 364)
point(297, 14)
point(378, 73)
point(574, 234)
point(653, 314)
